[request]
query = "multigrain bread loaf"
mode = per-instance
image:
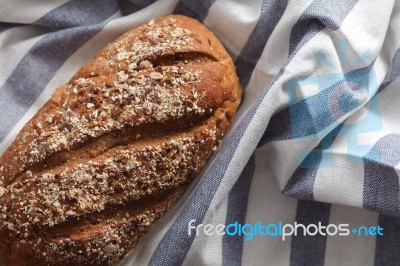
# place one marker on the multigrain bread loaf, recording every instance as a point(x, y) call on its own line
point(113, 149)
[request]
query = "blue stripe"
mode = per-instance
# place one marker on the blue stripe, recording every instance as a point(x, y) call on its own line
point(318, 15)
point(381, 182)
point(142, 3)
point(279, 128)
point(301, 183)
point(393, 72)
point(387, 247)
point(130, 7)
point(271, 13)
point(41, 62)
point(194, 9)
point(232, 246)
point(78, 13)
point(6, 26)
point(309, 250)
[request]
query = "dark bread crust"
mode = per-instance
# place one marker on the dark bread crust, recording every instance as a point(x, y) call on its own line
point(110, 152)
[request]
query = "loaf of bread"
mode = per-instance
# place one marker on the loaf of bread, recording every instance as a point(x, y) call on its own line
point(113, 148)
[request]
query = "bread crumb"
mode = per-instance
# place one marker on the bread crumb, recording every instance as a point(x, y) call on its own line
point(146, 64)
point(2, 191)
point(156, 75)
point(110, 248)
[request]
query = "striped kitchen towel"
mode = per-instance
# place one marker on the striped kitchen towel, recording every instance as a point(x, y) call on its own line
point(316, 138)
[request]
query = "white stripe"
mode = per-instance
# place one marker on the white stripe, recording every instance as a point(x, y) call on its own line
point(285, 156)
point(240, 16)
point(268, 205)
point(341, 182)
point(351, 250)
point(26, 11)
point(271, 59)
point(365, 28)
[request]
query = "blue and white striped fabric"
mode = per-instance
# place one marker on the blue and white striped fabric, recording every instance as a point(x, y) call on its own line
point(288, 156)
